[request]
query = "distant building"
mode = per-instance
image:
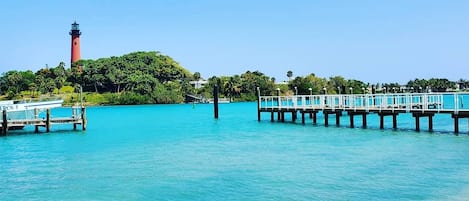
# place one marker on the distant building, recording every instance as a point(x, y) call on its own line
point(198, 84)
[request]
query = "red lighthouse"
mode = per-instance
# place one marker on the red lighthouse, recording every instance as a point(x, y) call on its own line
point(75, 33)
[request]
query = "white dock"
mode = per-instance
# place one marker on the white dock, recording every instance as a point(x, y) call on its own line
point(418, 104)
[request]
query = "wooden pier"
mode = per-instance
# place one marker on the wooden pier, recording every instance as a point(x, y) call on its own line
point(78, 117)
point(420, 105)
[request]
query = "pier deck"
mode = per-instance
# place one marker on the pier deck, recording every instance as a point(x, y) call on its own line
point(418, 104)
point(78, 117)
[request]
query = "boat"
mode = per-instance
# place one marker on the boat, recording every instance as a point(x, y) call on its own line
point(26, 109)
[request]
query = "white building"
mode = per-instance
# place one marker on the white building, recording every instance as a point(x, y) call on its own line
point(198, 84)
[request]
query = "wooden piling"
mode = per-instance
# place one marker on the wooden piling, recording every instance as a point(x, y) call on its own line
point(351, 120)
point(430, 123)
point(272, 116)
point(364, 120)
point(337, 119)
point(4, 123)
point(36, 116)
point(215, 103)
point(83, 118)
point(417, 123)
point(48, 120)
point(326, 119)
point(381, 121)
point(302, 117)
point(315, 119)
point(394, 121)
point(456, 123)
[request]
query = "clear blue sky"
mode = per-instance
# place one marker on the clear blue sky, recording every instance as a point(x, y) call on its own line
point(373, 41)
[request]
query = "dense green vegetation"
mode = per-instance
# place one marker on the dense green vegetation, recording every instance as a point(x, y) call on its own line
point(151, 77)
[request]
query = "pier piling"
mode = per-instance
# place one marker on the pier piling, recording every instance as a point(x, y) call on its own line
point(4, 123)
point(215, 104)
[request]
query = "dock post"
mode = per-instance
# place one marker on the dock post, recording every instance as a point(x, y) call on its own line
point(278, 116)
point(303, 117)
point(351, 120)
point(293, 116)
point(417, 123)
point(326, 119)
point(456, 123)
point(215, 103)
point(364, 120)
point(36, 116)
point(315, 118)
point(282, 116)
point(83, 118)
point(394, 121)
point(381, 121)
point(4, 123)
point(48, 120)
point(337, 119)
point(272, 116)
point(430, 123)
point(258, 104)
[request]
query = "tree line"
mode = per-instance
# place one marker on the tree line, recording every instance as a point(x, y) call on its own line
point(151, 77)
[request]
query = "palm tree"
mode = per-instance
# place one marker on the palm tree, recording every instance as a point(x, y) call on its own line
point(289, 75)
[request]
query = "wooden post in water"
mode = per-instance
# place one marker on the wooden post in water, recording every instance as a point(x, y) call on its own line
point(258, 104)
point(326, 119)
point(215, 102)
point(364, 120)
point(4, 123)
point(48, 120)
point(337, 119)
point(36, 116)
point(315, 119)
point(456, 123)
point(381, 121)
point(351, 120)
point(303, 117)
point(394, 121)
point(430, 123)
point(272, 116)
point(417, 123)
point(83, 118)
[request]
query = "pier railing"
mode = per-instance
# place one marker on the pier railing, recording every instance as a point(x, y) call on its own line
point(396, 102)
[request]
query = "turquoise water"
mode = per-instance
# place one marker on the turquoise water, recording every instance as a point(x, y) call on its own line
point(179, 152)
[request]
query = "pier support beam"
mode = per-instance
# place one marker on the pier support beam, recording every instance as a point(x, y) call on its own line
point(4, 123)
point(417, 116)
point(83, 118)
point(272, 116)
point(315, 117)
point(353, 113)
point(48, 120)
point(456, 123)
point(303, 117)
point(364, 120)
point(326, 119)
point(337, 119)
point(381, 119)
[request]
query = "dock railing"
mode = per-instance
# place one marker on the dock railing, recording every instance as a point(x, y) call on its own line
point(395, 102)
